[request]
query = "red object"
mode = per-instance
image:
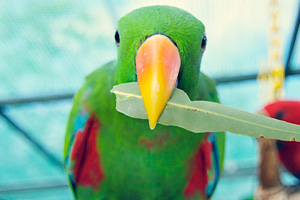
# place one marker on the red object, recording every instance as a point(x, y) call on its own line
point(289, 152)
point(199, 168)
point(87, 169)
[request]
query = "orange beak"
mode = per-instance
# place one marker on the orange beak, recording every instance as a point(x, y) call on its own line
point(157, 65)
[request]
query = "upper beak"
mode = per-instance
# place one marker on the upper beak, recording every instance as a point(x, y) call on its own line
point(157, 65)
point(263, 112)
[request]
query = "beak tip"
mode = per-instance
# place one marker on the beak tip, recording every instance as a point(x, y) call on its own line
point(152, 125)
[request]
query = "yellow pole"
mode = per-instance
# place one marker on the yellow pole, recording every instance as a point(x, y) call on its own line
point(271, 73)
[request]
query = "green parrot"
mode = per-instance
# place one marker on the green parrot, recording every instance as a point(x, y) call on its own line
point(108, 155)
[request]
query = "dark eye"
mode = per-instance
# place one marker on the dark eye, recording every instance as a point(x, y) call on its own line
point(203, 44)
point(279, 115)
point(117, 37)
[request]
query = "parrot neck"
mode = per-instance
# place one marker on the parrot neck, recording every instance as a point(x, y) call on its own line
point(190, 83)
point(125, 70)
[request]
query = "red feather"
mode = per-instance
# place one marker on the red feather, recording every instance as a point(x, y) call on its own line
point(87, 169)
point(199, 167)
point(289, 152)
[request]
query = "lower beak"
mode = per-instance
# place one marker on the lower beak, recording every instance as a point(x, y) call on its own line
point(157, 65)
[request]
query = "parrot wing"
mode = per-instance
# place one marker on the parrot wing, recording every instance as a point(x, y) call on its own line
point(81, 155)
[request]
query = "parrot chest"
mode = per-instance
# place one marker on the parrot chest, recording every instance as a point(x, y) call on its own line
point(158, 163)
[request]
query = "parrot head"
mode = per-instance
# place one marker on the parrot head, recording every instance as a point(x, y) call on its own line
point(288, 111)
point(160, 47)
point(288, 151)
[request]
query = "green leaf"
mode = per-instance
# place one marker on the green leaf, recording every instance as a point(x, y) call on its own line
point(204, 116)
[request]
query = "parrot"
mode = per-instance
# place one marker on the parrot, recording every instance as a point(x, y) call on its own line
point(288, 151)
point(108, 155)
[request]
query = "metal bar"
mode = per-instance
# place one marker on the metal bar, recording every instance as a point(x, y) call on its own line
point(236, 78)
point(249, 77)
point(293, 41)
point(32, 187)
point(36, 99)
point(14, 188)
point(294, 72)
point(43, 99)
point(32, 141)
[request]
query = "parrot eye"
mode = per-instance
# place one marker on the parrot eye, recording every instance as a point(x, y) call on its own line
point(279, 115)
point(117, 37)
point(203, 44)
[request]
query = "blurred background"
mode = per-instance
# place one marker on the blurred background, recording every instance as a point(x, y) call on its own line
point(48, 47)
